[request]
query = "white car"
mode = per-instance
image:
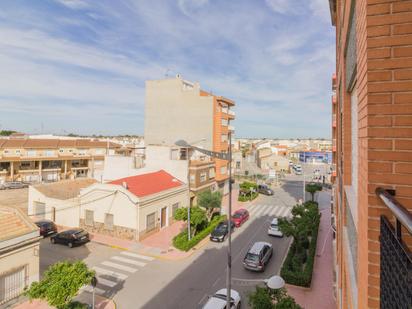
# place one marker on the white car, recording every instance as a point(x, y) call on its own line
point(273, 229)
point(218, 300)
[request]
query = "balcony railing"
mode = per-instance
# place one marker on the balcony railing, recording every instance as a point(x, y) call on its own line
point(396, 257)
point(231, 128)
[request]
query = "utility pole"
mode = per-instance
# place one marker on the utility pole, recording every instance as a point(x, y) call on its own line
point(229, 247)
point(190, 200)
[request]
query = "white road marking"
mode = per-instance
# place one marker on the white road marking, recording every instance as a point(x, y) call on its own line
point(138, 256)
point(110, 273)
point(106, 282)
point(275, 211)
point(128, 261)
point(89, 289)
point(284, 212)
point(119, 266)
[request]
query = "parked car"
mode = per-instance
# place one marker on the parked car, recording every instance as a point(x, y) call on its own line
point(218, 300)
point(221, 230)
point(47, 227)
point(264, 189)
point(273, 229)
point(240, 216)
point(14, 185)
point(258, 256)
point(70, 237)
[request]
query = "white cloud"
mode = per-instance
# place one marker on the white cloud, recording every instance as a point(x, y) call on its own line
point(74, 4)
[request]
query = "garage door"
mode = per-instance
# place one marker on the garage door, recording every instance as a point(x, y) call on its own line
point(12, 284)
point(40, 210)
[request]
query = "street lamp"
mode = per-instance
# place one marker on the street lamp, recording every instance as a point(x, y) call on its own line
point(275, 282)
point(226, 157)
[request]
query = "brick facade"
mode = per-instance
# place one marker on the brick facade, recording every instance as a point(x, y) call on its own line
point(381, 88)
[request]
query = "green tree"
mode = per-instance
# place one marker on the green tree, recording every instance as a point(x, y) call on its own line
point(61, 282)
point(304, 217)
point(6, 132)
point(312, 188)
point(198, 218)
point(210, 201)
point(264, 298)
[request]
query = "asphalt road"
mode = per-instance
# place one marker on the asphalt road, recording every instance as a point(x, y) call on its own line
point(207, 272)
point(187, 283)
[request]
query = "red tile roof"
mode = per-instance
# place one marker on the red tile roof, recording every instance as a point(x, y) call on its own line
point(150, 183)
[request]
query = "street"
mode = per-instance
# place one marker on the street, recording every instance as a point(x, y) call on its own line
point(137, 281)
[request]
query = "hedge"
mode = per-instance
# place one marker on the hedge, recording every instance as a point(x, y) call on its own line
point(292, 271)
point(249, 197)
point(180, 240)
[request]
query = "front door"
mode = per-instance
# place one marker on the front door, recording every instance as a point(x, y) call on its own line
point(163, 217)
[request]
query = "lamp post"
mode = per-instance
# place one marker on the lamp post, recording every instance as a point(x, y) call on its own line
point(227, 157)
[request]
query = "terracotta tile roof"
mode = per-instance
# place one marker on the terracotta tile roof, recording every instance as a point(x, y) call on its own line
point(41, 143)
point(66, 189)
point(150, 183)
point(14, 223)
point(55, 143)
point(14, 143)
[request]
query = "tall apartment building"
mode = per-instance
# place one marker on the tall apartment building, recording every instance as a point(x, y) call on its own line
point(334, 131)
point(51, 159)
point(373, 150)
point(176, 109)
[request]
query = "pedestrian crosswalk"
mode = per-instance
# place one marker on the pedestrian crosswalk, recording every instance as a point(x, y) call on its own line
point(260, 210)
point(114, 271)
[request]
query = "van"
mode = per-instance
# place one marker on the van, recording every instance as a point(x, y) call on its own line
point(273, 229)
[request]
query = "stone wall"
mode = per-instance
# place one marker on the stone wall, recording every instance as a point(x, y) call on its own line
point(117, 231)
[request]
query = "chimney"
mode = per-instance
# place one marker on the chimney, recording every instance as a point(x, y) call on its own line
point(124, 184)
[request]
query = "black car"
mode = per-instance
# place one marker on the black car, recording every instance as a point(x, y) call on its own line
point(70, 237)
point(221, 230)
point(47, 227)
point(264, 189)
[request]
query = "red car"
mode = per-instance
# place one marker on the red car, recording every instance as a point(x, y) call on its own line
point(240, 216)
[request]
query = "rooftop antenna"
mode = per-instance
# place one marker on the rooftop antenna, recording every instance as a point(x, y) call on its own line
point(167, 72)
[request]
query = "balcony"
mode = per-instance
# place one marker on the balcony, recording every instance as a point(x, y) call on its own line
point(231, 128)
point(334, 99)
point(231, 114)
point(334, 144)
point(333, 121)
point(396, 257)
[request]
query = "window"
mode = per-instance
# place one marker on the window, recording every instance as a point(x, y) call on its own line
point(6, 151)
point(224, 138)
point(17, 151)
point(108, 221)
point(212, 173)
point(223, 170)
point(49, 153)
point(100, 151)
point(175, 207)
point(224, 122)
point(82, 152)
point(192, 178)
point(25, 164)
point(354, 141)
point(61, 150)
point(89, 217)
point(203, 177)
point(174, 154)
point(151, 222)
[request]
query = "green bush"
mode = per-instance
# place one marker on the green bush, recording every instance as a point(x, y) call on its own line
point(297, 268)
point(75, 305)
point(248, 191)
point(181, 242)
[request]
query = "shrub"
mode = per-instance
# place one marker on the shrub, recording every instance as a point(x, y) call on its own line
point(181, 242)
point(297, 268)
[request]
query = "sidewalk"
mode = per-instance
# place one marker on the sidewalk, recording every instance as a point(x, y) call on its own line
point(320, 295)
point(101, 302)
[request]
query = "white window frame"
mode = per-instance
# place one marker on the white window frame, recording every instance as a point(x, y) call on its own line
point(108, 224)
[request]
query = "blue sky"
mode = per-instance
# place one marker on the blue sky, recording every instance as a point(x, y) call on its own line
point(80, 65)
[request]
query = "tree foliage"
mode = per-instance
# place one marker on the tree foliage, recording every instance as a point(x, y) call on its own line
point(312, 188)
point(61, 282)
point(198, 218)
point(6, 132)
point(264, 298)
point(210, 201)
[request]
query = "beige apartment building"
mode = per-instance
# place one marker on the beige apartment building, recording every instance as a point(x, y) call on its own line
point(19, 253)
point(35, 160)
point(176, 109)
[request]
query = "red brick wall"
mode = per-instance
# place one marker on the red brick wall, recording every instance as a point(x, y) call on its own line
point(384, 89)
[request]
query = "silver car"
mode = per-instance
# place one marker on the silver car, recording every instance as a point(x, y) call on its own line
point(258, 256)
point(273, 229)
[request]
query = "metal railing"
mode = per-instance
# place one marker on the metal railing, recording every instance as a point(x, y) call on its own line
point(396, 258)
